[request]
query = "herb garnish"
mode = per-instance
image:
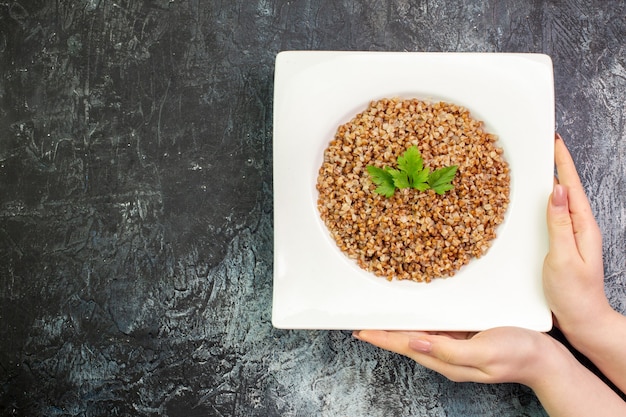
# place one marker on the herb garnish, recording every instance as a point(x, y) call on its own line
point(411, 174)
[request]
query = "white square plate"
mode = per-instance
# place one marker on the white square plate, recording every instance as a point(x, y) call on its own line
point(315, 285)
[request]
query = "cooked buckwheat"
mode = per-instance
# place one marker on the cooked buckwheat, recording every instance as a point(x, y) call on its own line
point(415, 235)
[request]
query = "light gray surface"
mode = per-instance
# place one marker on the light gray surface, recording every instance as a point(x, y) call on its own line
point(136, 200)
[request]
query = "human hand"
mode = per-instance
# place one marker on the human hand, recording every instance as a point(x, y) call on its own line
point(503, 354)
point(507, 354)
point(573, 275)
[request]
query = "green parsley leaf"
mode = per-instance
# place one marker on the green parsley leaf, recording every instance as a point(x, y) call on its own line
point(383, 179)
point(422, 186)
point(420, 180)
point(440, 180)
point(412, 174)
point(411, 162)
point(400, 178)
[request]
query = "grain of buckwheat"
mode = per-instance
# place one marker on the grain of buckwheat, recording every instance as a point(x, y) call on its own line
point(413, 235)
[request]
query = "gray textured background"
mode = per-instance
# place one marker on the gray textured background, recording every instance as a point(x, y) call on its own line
point(136, 199)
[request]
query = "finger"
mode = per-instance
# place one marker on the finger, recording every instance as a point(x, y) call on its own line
point(410, 333)
point(397, 342)
point(584, 226)
point(560, 228)
point(457, 359)
point(565, 167)
point(460, 352)
point(450, 334)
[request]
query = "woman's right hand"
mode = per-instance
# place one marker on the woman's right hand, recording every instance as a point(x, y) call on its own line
point(573, 274)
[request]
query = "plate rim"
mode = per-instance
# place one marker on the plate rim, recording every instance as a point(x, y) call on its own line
point(316, 57)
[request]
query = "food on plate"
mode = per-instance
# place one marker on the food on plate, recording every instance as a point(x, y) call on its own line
point(416, 227)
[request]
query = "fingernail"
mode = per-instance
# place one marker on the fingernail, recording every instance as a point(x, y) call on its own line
point(558, 136)
point(420, 345)
point(559, 196)
point(356, 335)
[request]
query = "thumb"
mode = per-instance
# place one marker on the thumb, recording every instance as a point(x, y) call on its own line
point(560, 227)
